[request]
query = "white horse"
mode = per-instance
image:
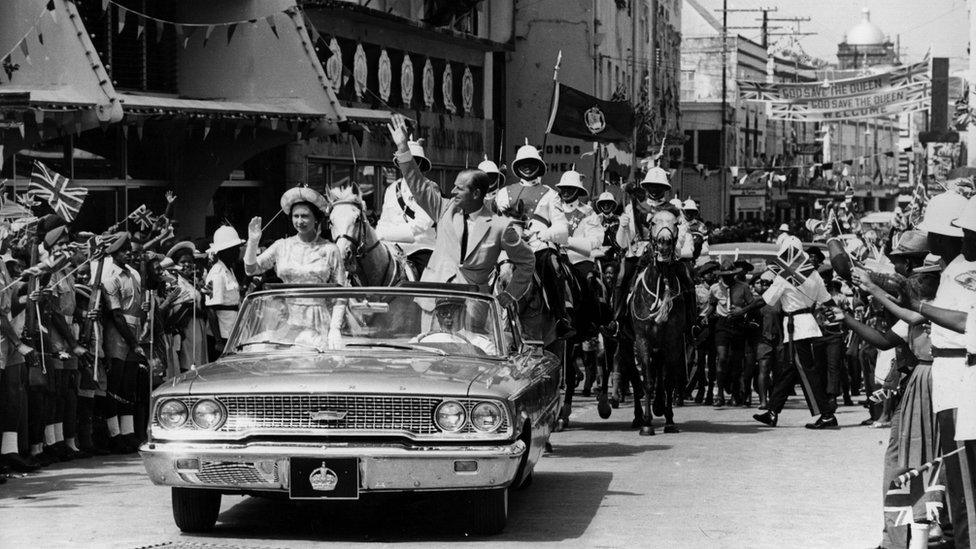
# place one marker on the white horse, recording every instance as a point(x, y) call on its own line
point(369, 261)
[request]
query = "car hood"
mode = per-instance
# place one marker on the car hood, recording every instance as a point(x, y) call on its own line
point(402, 373)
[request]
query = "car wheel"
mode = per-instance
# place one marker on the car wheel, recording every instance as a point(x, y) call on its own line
point(486, 511)
point(195, 510)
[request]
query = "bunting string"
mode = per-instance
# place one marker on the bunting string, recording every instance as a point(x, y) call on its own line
point(21, 44)
point(253, 20)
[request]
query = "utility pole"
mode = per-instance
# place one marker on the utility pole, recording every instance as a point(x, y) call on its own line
point(765, 19)
point(971, 132)
point(723, 141)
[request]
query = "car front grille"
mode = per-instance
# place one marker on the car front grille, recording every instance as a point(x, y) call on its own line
point(230, 473)
point(412, 415)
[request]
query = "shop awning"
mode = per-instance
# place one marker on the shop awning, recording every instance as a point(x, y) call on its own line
point(157, 105)
point(60, 96)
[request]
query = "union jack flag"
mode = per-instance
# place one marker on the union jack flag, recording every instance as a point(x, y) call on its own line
point(65, 199)
point(143, 216)
point(793, 264)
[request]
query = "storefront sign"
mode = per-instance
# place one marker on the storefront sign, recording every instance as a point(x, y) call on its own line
point(450, 141)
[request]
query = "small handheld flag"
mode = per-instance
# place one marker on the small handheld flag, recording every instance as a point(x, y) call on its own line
point(792, 264)
point(65, 199)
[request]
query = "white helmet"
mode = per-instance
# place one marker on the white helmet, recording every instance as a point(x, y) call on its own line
point(676, 202)
point(491, 169)
point(224, 237)
point(419, 156)
point(573, 179)
point(690, 205)
point(528, 154)
point(606, 196)
point(656, 176)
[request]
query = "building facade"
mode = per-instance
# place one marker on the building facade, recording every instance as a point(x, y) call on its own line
point(865, 45)
point(606, 48)
point(773, 169)
point(131, 100)
point(444, 69)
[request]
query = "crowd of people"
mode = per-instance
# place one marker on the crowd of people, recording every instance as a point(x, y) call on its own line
point(89, 324)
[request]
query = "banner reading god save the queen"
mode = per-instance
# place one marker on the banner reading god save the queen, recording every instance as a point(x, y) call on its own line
point(900, 90)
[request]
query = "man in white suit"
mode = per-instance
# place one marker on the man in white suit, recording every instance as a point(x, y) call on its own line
point(469, 237)
point(403, 222)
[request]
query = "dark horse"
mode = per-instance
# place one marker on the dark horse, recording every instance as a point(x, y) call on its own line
point(660, 302)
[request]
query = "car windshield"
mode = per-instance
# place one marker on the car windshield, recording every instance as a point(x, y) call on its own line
point(436, 323)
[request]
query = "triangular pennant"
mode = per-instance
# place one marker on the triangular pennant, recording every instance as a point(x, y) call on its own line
point(139, 131)
point(230, 31)
point(271, 23)
point(159, 30)
point(39, 117)
point(140, 26)
point(78, 127)
point(40, 38)
point(125, 131)
point(206, 37)
point(24, 49)
point(206, 130)
point(190, 31)
point(104, 5)
point(1, 157)
point(52, 11)
point(734, 170)
point(120, 14)
point(274, 123)
point(237, 131)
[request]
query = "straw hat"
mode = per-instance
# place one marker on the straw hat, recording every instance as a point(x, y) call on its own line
point(941, 211)
point(224, 237)
point(180, 249)
point(729, 268)
point(303, 194)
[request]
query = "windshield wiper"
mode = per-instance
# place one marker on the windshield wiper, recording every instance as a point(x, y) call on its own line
point(288, 343)
point(434, 350)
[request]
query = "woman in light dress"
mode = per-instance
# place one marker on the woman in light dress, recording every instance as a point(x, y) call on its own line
point(305, 258)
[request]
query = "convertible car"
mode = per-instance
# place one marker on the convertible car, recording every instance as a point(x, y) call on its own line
point(423, 388)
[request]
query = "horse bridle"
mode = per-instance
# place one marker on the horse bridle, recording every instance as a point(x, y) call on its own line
point(358, 251)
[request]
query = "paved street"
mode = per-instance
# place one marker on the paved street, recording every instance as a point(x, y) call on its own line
point(725, 481)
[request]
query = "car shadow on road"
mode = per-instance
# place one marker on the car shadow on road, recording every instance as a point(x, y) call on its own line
point(557, 506)
point(61, 478)
point(604, 449)
point(698, 426)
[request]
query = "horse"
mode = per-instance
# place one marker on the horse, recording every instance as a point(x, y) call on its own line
point(659, 303)
point(369, 261)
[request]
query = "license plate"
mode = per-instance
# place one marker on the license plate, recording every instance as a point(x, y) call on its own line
point(318, 478)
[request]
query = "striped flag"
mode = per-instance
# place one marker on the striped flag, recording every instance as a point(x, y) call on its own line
point(65, 199)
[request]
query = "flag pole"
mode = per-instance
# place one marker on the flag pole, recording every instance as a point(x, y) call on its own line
point(553, 101)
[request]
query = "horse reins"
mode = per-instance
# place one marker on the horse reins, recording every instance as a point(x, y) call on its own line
point(358, 250)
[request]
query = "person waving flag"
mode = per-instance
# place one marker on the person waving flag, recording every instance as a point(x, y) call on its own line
point(65, 199)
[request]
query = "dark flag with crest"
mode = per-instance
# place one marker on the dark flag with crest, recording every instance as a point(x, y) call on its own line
point(580, 115)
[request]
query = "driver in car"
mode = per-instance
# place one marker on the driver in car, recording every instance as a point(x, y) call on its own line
point(450, 314)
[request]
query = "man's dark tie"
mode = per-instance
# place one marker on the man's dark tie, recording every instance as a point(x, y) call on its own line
point(464, 239)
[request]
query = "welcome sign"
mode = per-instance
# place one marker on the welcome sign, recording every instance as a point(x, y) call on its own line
point(807, 92)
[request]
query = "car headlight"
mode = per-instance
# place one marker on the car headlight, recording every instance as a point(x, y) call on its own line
point(486, 417)
point(449, 416)
point(172, 414)
point(208, 414)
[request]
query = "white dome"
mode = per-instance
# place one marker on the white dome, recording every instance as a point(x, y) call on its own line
point(865, 33)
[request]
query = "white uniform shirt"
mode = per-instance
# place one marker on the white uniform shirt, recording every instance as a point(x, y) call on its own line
point(411, 234)
point(957, 292)
point(557, 233)
point(226, 291)
point(811, 293)
point(586, 237)
point(966, 416)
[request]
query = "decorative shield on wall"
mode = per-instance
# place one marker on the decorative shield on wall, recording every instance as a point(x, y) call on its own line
point(333, 67)
point(360, 71)
point(429, 83)
point(447, 88)
point(406, 80)
point(385, 75)
point(467, 91)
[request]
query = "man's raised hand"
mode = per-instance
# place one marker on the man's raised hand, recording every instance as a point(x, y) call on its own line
point(398, 131)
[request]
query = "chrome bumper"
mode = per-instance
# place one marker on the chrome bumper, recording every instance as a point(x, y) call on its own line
point(265, 466)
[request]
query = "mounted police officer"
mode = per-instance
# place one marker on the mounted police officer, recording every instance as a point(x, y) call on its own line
point(404, 222)
point(547, 228)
